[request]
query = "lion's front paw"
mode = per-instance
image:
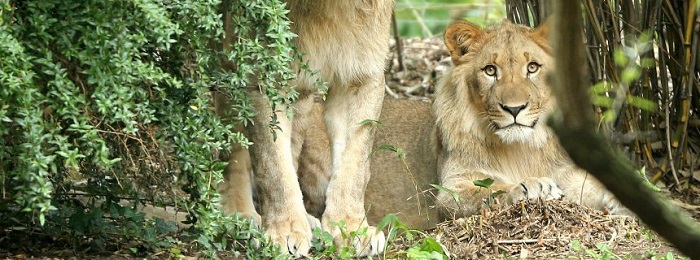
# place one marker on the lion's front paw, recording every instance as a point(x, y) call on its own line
point(294, 234)
point(614, 207)
point(366, 240)
point(536, 187)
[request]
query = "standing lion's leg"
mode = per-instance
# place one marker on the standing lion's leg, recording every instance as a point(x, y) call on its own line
point(302, 109)
point(237, 188)
point(351, 140)
point(300, 138)
point(281, 205)
point(314, 160)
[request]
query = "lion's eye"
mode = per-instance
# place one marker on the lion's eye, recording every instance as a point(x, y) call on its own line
point(533, 67)
point(490, 70)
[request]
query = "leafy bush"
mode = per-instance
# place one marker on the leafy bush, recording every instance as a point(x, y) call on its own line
point(102, 101)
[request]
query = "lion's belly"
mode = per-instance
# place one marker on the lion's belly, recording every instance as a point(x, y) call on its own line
point(348, 40)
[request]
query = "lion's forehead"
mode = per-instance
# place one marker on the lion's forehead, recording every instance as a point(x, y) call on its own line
point(510, 47)
point(515, 54)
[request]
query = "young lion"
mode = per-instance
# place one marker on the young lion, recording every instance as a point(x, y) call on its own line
point(490, 112)
point(347, 43)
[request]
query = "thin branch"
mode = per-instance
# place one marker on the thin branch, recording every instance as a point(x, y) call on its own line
point(397, 39)
point(525, 241)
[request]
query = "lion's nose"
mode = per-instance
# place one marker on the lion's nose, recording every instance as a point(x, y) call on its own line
point(513, 110)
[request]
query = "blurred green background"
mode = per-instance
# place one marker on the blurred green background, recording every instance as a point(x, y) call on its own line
point(428, 18)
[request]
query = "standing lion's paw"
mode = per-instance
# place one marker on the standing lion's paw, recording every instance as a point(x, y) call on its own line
point(314, 223)
point(536, 187)
point(370, 244)
point(254, 217)
point(366, 240)
point(294, 234)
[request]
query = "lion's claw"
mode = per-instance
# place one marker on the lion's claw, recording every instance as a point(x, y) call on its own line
point(536, 187)
point(369, 243)
point(293, 235)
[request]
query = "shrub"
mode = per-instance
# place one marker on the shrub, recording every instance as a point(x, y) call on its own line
point(102, 101)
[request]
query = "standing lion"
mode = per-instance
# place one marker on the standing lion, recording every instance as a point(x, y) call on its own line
point(347, 43)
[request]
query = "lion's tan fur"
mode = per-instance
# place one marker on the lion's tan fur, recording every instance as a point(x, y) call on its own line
point(470, 107)
point(399, 185)
point(346, 42)
point(402, 185)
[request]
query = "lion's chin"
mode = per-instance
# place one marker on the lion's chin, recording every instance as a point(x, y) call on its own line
point(516, 134)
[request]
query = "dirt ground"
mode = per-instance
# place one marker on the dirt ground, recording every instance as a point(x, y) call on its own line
point(531, 229)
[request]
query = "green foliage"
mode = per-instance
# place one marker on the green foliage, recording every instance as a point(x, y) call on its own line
point(387, 147)
point(454, 195)
point(612, 95)
point(426, 18)
point(425, 248)
point(105, 100)
point(667, 256)
point(325, 248)
point(428, 249)
point(603, 251)
point(486, 183)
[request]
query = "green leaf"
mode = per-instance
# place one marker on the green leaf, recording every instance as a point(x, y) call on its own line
point(603, 101)
point(620, 58)
point(454, 195)
point(601, 87)
point(497, 193)
point(609, 116)
point(669, 256)
point(642, 103)
point(485, 183)
point(387, 147)
point(371, 122)
point(387, 220)
point(429, 249)
point(630, 74)
point(647, 63)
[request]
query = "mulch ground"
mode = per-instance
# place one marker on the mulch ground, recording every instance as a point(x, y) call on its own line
point(546, 230)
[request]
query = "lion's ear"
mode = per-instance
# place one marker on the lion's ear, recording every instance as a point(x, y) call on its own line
point(458, 37)
point(541, 35)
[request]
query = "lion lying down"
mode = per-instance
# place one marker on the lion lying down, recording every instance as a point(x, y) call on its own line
point(491, 111)
point(487, 121)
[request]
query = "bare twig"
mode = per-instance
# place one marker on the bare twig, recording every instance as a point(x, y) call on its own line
point(525, 241)
point(397, 38)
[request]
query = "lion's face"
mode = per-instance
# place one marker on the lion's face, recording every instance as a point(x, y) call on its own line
point(503, 69)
